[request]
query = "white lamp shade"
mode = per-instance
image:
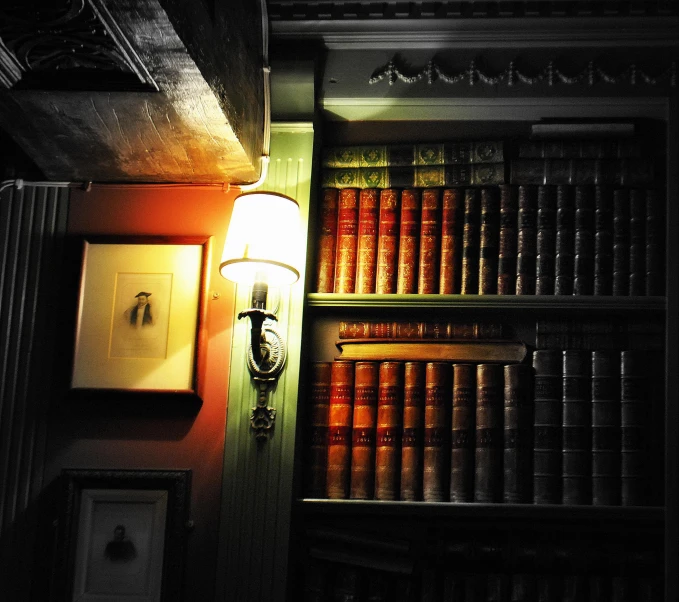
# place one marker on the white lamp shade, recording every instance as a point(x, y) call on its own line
point(262, 239)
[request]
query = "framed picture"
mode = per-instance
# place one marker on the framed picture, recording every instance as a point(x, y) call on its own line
point(140, 315)
point(122, 535)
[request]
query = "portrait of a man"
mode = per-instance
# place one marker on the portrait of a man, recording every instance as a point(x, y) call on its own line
point(141, 313)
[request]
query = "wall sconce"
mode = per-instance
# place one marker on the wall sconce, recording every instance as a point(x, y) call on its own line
point(261, 250)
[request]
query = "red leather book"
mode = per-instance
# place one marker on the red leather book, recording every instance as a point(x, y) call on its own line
point(317, 430)
point(409, 241)
point(470, 242)
point(413, 428)
point(489, 239)
point(347, 239)
point(488, 455)
point(340, 417)
point(430, 242)
point(327, 241)
point(366, 254)
point(358, 329)
point(387, 241)
point(363, 431)
point(389, 430)
point(506, 266)
point(452, 206)
point(463, 433)
point(437, 404)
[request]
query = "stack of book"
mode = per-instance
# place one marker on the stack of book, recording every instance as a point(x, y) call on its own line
point(546, 234)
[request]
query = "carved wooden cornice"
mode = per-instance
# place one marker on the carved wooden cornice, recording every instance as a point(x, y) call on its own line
point(66, 46)
point(551, 74)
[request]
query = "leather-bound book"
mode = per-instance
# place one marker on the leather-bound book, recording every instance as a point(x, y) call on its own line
point(470, 242)
point(605, 428)
point(634, 412)
point(452, 206)
point(518, 434)
point(565, 241)
point(346, 584)
point(547, 426)
point(583, 272)
point(621, 214)
point(387, 241)
point(327, 241)
point(506, 266)
point(576, 427)
point(366, 254)
point(364, 329)
point(340, 417)
point(316, 461)
point(437, 402)
point(409, 241)
point(413, 432)
point(463, 433)
point(347, 239)
point(389, 430)
point(603, 240)
point(363, 431)
point(637, 240)
point(655, 243)
point(526, 249)
point(430, 242)
point(489, 240)
point(489, 438)
point(546, 241)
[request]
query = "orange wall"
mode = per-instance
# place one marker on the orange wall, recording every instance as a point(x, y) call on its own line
point(109, 435)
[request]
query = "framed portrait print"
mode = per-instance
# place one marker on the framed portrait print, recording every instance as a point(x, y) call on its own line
point(140, 312)
point(122, 535)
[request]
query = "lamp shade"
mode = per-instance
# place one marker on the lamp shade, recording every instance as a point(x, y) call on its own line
point(262, 240)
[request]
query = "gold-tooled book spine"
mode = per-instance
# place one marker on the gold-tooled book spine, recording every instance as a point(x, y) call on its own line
point(366, 254)
point(317, 430)
point(347, 238)
point(363, 433)
point(340, 416)
point(387, 242)
point(409, 241)
point(389, 431)
point(437, 402)
point(430, 242)
point(413, 428)
point(327, 241)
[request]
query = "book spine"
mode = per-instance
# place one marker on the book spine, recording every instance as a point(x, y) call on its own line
point(363, 431)
point(366, 254)
point(488, 243)
point(327, 241)
point(470, 242)
point(430, 242)
point(576, 427)
point(317, 430)
point(506, 266)
point(451, 223)
point(436, 431)
point(655, 244)
point(387, 242)
point(389, 431)
point(526, 241)
point(489, 437)
point(463, 433)
point(577, 172)
point(621, 214)
point(637, 247)
point(605, 428)
point(583, 274)
point(358, 329)
point(409, 241)
point(347, 238)
point(547, 426)
point(518, 434)
point(635, 407)
point(603, 240)
point(340, 414)
point(546, 241)
point(413, 431)
point(565, 241)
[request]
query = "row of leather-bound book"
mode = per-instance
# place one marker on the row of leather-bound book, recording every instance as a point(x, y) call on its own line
point(506, 239)
point(563, 427)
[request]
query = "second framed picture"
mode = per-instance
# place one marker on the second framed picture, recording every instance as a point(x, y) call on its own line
point(140, 315)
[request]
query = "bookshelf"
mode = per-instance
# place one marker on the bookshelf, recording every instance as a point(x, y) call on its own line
point(414, 542)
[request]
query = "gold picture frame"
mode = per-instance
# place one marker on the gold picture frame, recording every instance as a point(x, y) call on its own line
point(139, 325)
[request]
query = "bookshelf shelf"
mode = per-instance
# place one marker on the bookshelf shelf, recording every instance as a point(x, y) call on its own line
point(523, 302)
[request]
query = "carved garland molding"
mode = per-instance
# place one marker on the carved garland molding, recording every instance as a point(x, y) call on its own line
point(552, 74)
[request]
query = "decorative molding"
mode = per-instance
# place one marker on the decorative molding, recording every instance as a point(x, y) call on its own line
point(63, 46)
point(551, 74)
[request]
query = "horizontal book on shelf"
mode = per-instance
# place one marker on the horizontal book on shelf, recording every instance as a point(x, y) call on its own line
point(397, 329)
